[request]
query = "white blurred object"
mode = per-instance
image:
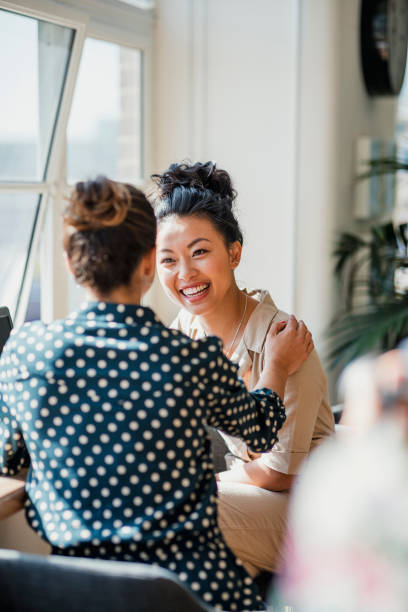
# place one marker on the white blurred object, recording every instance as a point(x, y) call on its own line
point(349, 528)
point(348, 544)
point(361, 399)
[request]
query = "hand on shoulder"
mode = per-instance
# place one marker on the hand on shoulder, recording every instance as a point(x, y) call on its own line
point(288, 345)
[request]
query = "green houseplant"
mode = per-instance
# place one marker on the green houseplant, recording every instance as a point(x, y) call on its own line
point(368, 269)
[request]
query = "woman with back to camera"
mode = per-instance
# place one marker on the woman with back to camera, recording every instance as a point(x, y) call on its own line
point(199, 246)
point(109, 408)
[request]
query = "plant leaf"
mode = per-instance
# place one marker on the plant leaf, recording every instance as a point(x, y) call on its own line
point(386, 165)
point(379, 327)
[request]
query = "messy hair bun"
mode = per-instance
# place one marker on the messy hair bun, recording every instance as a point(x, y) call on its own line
point(108, 227)
point(198, 189)
point(199, 176)
point(98, 204)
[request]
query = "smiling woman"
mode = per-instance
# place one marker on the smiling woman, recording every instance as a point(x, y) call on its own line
point(199, 246)
point(196, 268)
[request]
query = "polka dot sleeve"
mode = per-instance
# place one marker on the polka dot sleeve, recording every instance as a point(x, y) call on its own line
point(255, 417)
point(13, 452)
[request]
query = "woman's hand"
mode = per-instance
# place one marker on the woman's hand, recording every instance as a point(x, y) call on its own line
point(287, 345)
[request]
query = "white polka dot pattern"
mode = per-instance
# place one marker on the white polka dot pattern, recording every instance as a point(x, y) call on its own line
point(109, 408)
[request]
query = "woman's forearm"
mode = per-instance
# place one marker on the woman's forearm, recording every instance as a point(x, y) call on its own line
point(258, 474)
point(273, 378)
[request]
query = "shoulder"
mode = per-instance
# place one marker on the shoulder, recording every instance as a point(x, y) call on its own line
point(311, 371)
point(266, 310)
point(184, 354)
point(178, 338)
point(26, 333)
point(311, 378)
point(24, 348)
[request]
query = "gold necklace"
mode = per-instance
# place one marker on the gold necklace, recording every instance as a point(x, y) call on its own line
point(228, 352)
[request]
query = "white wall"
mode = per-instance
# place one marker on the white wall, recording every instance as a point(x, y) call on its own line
point(227, 90)
point(334, 110)
point(272, 90)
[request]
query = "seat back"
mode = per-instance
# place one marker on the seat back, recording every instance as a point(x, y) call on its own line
point(36, 583)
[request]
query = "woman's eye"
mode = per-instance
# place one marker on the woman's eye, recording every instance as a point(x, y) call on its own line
point(200, 252)
point(167, 260)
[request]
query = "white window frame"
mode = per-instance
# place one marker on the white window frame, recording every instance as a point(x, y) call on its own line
point(106, 20)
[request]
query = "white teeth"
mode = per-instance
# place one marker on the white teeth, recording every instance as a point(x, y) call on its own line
point(194, 290)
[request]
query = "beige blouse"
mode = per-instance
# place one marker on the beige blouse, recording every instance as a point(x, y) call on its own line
point(309, 419)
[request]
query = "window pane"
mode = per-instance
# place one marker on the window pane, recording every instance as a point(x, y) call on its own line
point(104, 130)
point(34, 301)
point(17, 217)
point(143, 4)
point(33, 60)
point(401, 212)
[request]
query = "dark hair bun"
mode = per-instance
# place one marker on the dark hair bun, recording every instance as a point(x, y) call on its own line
point(198, 189)
point(97, 204)
point(108, 228)
point(199, 176)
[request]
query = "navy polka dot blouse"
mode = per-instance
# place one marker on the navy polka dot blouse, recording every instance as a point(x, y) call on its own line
point(108, 408)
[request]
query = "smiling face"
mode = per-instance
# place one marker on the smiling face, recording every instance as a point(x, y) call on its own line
point(194, 264)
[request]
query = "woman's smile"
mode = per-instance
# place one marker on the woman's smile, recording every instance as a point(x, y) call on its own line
point(194, 263)
point(193, 293)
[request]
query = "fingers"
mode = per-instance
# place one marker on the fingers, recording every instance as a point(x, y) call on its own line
point(292, 323)
point(303, 330)
point(310, 347)
point(281, 325)
point(298, 328)
point(277, 327)
point(306, 337)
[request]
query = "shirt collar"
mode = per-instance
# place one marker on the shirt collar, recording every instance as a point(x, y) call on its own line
point(109, 311)
point(259, 321)
point(258, 324)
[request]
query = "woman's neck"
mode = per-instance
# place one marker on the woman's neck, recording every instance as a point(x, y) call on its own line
point(122, 295)
point(229, 319)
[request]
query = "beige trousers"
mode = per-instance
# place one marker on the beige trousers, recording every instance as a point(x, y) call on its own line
point(253, 523)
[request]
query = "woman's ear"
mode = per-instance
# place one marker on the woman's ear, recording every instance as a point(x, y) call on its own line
point(68, 263)
point(235, 251)
point(148, 268)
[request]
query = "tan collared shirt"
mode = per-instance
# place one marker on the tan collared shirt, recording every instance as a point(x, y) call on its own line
point(309, 419)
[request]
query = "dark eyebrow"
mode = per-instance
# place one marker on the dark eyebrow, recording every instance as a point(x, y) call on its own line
point(197, 240)
point(188, 246)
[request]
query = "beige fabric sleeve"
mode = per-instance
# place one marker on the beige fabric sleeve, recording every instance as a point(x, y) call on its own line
point(305, 394)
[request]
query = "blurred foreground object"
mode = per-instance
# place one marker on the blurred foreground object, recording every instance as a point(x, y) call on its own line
point(348, 546)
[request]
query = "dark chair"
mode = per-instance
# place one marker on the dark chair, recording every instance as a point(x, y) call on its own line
point(337, 411)
point(35, 583)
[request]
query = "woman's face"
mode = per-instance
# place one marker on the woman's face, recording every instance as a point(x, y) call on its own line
point(193, 263)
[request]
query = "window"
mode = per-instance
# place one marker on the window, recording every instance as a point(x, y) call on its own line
point(34, 82)
point(105, 126)
point(85, 63)
point(18, 212)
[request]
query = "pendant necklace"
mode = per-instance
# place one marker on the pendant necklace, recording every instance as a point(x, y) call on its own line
point(227, 353)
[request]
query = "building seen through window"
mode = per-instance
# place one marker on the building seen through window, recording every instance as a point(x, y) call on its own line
point(104, 130)
point(34, 81)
